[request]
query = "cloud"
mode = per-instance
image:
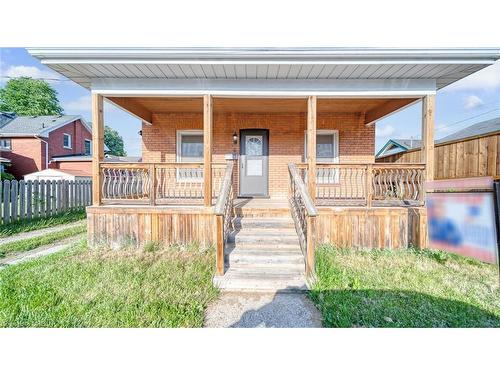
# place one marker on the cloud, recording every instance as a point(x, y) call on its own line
point(31, 71)
point(472, 101)
point(385, 130)
point(485, 79)
point(83, 103)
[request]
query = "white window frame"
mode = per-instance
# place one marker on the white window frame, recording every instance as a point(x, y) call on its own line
point(335, 160)
point(178, 157)
point(70, 141)
point(335, 132)
point(90, 150)
point(4, 140)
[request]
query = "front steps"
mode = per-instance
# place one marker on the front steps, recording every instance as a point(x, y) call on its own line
point(263, 255)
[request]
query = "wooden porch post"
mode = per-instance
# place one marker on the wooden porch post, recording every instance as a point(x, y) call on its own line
point(428, 106)
point(311, 147)
point(207, 149)
point(97, 146)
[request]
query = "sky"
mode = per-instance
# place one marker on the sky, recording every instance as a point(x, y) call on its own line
point(473, 99)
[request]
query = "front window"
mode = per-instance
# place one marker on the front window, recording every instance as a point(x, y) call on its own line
point(190, 150)
point(327, 152)
point(67, 141)
point(5, 144)
point(88, 146)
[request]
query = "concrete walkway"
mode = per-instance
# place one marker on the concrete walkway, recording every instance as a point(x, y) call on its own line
point(272, 310)
point(39, 232)
point(38, 252)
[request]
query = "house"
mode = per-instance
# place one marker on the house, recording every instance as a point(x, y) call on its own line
point(262, 152)
point(30, 142)
point(470, 152)
point(396, 146)
point(59, 174)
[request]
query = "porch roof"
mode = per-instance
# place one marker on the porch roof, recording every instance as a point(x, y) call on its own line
point(88, 66)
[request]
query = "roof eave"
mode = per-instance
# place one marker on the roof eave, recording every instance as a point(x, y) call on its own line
point(267, 55)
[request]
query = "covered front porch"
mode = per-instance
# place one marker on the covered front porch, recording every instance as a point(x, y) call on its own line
point(208, 160)
point(188, 143)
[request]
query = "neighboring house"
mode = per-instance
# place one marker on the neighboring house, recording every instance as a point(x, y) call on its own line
point(30, 142)
point(470, 152)
point(291, 126)
point(59, 174)
point(395, 146)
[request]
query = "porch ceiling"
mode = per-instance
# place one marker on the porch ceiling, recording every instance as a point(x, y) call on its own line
point(374, 108)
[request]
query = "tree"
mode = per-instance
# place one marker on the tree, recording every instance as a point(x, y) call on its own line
point(114, 141)
point(29, 97)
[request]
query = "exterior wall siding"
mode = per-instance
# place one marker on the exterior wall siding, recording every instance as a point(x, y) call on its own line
point(286, 139)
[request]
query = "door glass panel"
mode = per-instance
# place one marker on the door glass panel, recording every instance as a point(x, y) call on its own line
point(253, 145)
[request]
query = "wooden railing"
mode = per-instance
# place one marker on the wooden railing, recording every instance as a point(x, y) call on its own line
point(367, 184)
point(157, 183)
point(224, 216)
point(398, 182)
point(304, 216)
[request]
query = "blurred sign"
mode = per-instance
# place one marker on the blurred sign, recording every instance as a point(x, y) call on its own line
point(461, 218)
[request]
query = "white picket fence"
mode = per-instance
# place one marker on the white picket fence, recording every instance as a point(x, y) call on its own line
point(25, 200)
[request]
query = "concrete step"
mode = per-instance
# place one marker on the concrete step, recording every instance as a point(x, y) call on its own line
point(264, 249)
point(263, 254)
point(266, 231)
point(259, 280)
point(298, 267)
point(268, 239)
point(264, 223)
point(262, 212)
point(262, 246)
point(259, 258)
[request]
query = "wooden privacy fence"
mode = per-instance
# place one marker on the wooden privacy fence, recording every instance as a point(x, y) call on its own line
point(24, 200)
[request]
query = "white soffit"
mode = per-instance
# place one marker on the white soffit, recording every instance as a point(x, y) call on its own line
point(443, 66)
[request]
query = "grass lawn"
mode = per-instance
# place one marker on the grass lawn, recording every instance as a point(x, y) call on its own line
point(44, 239)
point(121, 288)
point(41, 222)
point(404, 288)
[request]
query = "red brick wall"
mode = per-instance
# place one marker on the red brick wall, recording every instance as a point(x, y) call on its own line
point(85, 166)
point(27, 155)
point(78, 134)
point(286, 138)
